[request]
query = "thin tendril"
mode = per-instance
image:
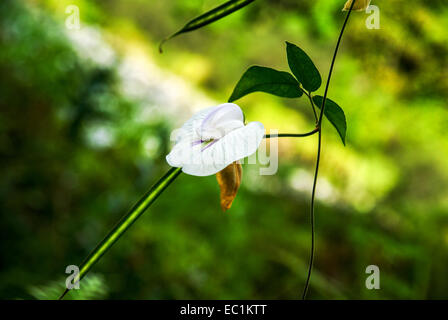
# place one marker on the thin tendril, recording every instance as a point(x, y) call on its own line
point(319, 147)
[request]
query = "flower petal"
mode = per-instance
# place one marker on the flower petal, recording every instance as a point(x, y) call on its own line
point(189, 128)
point(212, 123)
point(223, 119)
point(236, 145)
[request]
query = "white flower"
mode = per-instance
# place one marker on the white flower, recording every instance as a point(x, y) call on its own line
point(214, 138)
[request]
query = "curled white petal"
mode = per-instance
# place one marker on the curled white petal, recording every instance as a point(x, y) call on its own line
point(214, 119)
point(234, 146)
point(214, 138)
point(220, 121)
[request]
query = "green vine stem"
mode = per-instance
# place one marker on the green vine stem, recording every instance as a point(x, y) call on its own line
point(319, 148)
point(124, 224)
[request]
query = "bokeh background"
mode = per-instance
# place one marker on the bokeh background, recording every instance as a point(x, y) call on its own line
point(85, 123)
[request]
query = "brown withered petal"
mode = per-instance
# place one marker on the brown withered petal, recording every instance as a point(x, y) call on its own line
point(359, 5)
point(229, 180)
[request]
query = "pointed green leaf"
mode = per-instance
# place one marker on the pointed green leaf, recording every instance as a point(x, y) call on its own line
point(210, 17)
point(334, 114)
point(267, 80)
point(303, 68)
point(124, 224)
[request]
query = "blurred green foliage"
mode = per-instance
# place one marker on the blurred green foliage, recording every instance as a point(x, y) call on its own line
point(77, 149)
point(93, 288)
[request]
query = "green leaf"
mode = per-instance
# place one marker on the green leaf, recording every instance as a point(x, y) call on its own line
point(210, 17)
point(334, 114)
point(124, 224)
point(267, 80)
point(303, 68)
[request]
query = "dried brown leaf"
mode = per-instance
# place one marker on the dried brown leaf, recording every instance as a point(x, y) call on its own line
point(359, 5)
point(229, 180)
